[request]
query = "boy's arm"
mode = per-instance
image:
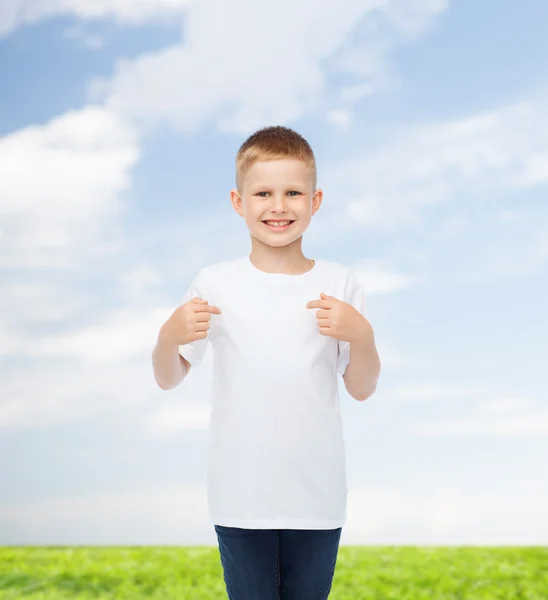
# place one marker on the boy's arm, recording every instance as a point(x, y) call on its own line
point(170, 368)
point(363, 370)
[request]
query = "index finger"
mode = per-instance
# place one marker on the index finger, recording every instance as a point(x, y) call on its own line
point(318, 304)
point(206, 308)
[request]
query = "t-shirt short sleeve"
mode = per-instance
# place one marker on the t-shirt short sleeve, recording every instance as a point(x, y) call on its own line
point(355, 295)
point(194, 351)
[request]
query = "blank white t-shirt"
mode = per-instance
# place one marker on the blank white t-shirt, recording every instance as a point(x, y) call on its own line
point(276, 453)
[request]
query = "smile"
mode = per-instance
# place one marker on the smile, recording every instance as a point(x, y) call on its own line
point(273, 225)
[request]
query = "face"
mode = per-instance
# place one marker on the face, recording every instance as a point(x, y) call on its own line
point(278, 190)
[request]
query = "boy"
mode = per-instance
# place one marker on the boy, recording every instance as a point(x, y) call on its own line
point(276, 458)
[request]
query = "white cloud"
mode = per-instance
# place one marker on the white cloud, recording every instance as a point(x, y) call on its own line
point(61, 186)
point(87, 40)
point(60, 183)
point(45, 394)
point(515, 258)
point(117, 335)
point(16, 13)
point(469, 409)
point(535, 170)
point(270, 68)
point(509, 404)
point(339, 117)
point(175, 419)
point(527, 425)
point(442, 514)
point(507, 215)
point(378, 278)
point(500, 416)
point(96, 368)
point(429, 164)
point(154, 515)
point(449, 514)
point(432, 392)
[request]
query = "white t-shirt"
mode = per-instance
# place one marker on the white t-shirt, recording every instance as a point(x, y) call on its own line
point(276, 453)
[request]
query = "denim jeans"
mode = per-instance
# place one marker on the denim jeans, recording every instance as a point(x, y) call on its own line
point(278, 564)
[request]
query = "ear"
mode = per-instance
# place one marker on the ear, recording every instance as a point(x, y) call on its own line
point(317, 201)
point(237, 202)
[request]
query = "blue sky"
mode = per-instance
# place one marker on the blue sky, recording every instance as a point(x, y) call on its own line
point(119, 124)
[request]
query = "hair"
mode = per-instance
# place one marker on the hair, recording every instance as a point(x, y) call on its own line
point(273, 143)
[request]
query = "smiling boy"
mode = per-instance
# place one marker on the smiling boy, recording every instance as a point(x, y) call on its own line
point(281, 326)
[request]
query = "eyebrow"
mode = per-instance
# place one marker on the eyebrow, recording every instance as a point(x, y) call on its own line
point(266, 186)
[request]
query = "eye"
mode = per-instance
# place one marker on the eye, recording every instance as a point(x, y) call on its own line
point(291, 192)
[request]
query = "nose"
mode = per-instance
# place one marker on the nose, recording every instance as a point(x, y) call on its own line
point(278, 203)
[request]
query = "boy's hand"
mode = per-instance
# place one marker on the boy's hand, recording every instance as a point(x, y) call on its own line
point(339, 319)
point(189, 322)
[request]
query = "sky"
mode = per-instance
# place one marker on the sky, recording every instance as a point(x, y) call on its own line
point(119, 125)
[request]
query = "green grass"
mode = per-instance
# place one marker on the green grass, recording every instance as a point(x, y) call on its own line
point(362, 572)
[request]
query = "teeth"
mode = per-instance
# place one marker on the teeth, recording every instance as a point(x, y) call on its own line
point(276, 224)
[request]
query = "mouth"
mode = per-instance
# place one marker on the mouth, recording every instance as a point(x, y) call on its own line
point(278, 225)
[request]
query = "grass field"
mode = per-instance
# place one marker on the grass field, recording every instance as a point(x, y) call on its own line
point(185, 573)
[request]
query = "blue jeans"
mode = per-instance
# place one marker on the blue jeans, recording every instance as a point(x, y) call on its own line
point(278, 564)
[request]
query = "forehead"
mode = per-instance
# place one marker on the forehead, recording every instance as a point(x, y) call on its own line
point(283, 171)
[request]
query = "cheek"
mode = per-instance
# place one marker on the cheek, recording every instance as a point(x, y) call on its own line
point(253, 218)
point(253, 213)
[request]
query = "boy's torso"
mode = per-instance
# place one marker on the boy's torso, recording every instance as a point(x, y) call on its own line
point(268, 341)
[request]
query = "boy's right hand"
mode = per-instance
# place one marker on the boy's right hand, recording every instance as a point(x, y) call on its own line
point(189, 322)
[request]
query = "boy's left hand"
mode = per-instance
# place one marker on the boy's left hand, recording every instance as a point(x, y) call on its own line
point(340, 320)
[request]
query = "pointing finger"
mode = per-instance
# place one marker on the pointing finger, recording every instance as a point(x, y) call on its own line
point(317, 304)
point(208, 308)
